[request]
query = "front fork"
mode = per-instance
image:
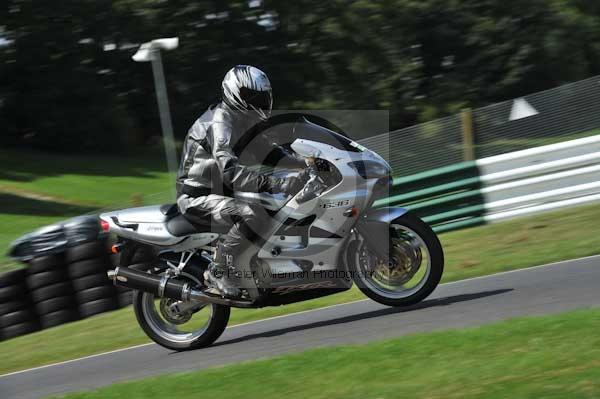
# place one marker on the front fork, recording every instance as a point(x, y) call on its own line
point(373, 227)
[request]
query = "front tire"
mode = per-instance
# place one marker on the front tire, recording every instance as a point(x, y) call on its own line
point(412, 241)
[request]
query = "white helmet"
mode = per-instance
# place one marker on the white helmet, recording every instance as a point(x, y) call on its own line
point(246, 88)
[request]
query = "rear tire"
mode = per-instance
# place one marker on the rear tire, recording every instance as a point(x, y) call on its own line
point(431, 281)
point(216, 326)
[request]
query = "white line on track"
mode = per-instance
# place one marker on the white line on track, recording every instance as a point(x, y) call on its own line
point(297, 313)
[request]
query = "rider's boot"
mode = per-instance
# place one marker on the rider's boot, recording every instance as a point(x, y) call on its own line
point(222, 276)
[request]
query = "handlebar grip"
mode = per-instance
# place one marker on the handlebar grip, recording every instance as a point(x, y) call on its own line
point(304, 196)
point(313, 187)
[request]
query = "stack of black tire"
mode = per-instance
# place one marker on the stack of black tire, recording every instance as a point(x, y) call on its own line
point(87, 265)
point(51, 291)
point(65, 278)
point(124, 296)
point(17, 316)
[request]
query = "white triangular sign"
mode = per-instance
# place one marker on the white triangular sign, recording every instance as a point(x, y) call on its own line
point(521, 109)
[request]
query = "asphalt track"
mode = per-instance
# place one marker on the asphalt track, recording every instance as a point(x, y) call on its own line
point(545, 289)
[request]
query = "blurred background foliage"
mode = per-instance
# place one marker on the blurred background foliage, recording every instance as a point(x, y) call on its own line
point(68, 84)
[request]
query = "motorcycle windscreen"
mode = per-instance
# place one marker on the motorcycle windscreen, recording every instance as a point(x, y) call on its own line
point(285, 128)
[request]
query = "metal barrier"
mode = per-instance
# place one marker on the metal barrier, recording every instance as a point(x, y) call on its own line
point(504, 186)
point(448, 197)
point(541, 178)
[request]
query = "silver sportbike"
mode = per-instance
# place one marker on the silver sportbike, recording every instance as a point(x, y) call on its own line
point(319, 242)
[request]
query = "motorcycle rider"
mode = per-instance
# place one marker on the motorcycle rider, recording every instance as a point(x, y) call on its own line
point(210, 171)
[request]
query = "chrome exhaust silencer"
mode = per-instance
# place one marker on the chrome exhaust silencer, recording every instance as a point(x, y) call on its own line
point(163, 286)
point(160, 286)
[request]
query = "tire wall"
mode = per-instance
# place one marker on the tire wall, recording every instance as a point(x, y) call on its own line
point(59, 288)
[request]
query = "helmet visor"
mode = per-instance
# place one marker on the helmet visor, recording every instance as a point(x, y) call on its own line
point(261, 100)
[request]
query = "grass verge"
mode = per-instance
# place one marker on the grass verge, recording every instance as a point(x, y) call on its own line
point(550, 357)
point(86, 180)
point(37, 189)
point(473, 252)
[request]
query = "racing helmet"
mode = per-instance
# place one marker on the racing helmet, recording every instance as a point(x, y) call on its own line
point(246, 88)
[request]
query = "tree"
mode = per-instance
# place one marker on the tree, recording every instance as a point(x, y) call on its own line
point(67, 81)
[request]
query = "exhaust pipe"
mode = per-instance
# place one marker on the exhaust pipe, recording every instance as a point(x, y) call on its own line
point(160, 286)
point(166, 287)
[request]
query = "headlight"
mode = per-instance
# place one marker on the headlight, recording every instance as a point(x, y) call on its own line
point(370, 169)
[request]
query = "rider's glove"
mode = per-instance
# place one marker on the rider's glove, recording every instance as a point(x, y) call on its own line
point(294, 184)
point(290, 185)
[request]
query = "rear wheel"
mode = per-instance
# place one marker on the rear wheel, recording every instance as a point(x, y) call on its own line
point(410, 272)
point(179, 325)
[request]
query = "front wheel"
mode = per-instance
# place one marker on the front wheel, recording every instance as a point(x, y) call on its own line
point(179, 325)
point(408, 273)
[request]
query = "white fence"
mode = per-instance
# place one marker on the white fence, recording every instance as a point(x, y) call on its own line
point(541, 178)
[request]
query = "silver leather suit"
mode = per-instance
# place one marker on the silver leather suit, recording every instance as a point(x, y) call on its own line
point(210, 172)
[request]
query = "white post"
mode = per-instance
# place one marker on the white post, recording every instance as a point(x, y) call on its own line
point(165, 114)
point(151, 52)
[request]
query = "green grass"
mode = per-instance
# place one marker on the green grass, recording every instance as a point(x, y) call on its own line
point(472, 252)
point(542, 357)
point(37, 189)
point(88, 180)
point(533, 240)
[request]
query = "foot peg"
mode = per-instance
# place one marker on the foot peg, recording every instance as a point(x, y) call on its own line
point(222, 283)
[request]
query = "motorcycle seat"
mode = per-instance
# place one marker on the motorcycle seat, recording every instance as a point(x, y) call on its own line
point(180, 226)
point(169, 209)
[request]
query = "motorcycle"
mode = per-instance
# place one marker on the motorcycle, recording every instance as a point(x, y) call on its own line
point(318, 242)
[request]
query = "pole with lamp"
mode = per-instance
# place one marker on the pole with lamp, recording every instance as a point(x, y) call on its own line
point(150, 52)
